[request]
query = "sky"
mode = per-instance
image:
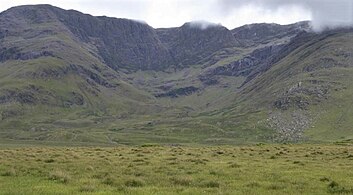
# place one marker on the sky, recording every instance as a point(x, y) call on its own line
point(229, 13)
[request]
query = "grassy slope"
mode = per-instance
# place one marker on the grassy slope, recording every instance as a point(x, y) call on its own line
point(203, 117)
point(331, 114)
point(39, 121)
point(182, 123)
point(130, 114)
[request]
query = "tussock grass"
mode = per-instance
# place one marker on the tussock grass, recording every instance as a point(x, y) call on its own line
point(87, 188)
point(134, 183)
point(300, 169)
point(9, 172)
point(60, 176)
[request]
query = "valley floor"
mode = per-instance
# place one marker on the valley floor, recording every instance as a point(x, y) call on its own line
point(258, 169)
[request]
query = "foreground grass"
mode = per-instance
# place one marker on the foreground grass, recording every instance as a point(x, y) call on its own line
point(263, 169)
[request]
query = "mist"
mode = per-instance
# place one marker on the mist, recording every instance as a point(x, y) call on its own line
point(325, 14)
point(203, 25)
point(230, 13)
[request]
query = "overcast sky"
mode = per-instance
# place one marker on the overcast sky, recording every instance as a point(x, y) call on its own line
point(230, 13)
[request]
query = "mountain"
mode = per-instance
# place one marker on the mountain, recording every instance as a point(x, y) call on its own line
point(254, 34)
point(68, 77)
point(48, 70)
point(191, 43)
point(119, 42)
point(310, 86)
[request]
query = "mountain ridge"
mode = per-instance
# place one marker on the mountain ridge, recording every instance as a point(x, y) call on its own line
point(72, 77)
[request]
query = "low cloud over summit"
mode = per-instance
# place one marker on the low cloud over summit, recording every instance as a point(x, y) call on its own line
point(324, 13)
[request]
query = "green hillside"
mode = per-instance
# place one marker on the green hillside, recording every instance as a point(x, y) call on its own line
point(71, 78)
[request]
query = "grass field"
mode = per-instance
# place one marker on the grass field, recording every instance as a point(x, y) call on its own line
point(149, 169)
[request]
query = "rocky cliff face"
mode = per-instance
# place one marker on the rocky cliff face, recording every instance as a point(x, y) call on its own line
point(256, 34)
point(191, 43)
point(51, 63)
point(111, 69)
point(271, 43)
point(67, 42)
point(247, 65)
point(122, 43)
point(129, 45)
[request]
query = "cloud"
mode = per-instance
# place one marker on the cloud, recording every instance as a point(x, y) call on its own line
point(323, 13)
point(202, 24)
point(230, 13)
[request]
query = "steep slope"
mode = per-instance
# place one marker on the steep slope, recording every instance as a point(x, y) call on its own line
point(191, 43)
point(256, 34)
point(48, 75)
point(299, 91)
point(259, 47)
point(70, 77)
point(307, 91)
point(122, 43)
